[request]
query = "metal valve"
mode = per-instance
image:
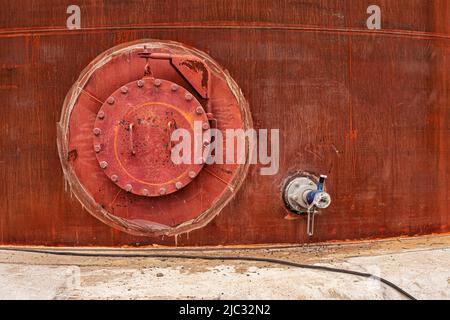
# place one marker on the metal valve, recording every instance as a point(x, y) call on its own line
point(303, 195)
point(319, 198)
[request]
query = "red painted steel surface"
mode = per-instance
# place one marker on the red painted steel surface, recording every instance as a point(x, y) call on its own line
point(132, 136)
point(115, 143)
point(368, 108)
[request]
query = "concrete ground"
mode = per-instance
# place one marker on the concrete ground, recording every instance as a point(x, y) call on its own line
point(421, 266)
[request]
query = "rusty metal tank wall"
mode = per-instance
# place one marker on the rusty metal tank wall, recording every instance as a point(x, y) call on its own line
point(369, 108)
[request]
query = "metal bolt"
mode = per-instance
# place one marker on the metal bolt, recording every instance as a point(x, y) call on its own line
point(178, 185)
point(140, 83)
point(205, 125)
point(162, 191)
point(97, 148)
point(111, 100)
point(128, 187)
point(145, 192)
point(103, 164)
point(124, 89)
point(188, 96)
point(101, 115)
point(199, 110)
point(175, 87)
point(157, 82)
point(97, 131)
point(114, 178)
point(192, 174)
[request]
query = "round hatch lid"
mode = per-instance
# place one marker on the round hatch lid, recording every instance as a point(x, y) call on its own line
point(132, 136)
point(114, 137)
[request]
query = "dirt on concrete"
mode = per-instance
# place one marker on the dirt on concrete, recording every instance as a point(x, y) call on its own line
point(419, 265)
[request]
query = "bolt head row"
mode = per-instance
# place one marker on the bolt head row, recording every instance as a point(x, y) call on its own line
point(157, 82)
point(128, 187)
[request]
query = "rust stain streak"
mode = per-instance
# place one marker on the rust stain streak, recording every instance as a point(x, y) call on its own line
point(8, 86)
point(350, 105)
point(113, 202)
point(352, 134)
point(9, 66)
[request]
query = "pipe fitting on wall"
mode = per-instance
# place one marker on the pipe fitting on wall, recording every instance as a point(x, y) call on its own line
point(304, 194)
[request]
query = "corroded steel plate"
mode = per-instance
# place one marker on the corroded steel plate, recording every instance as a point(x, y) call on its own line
point(132, 136)
point(114, 138)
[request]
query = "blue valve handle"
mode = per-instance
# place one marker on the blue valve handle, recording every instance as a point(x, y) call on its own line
point(312, 194)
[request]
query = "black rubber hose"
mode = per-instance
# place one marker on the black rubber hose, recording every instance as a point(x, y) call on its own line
point(234, 258)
